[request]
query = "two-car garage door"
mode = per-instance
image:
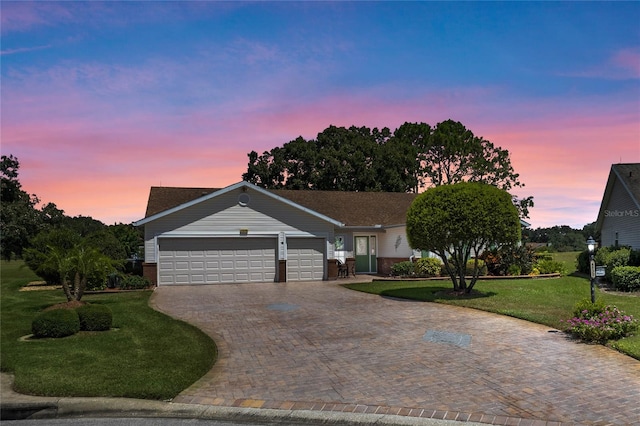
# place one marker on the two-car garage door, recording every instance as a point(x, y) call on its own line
point(236, 260)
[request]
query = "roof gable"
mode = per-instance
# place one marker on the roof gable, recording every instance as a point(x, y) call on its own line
point(171, 200)
point(626, 175)
point(364, 209)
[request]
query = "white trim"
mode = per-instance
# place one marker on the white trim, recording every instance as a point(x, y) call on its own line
point(232, 188)
point(236, 234)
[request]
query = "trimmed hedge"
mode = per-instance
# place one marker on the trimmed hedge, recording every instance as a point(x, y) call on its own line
point(134, 282)
point(428, 267)
point(626, 278)
point(56, 323)
point(95, 317)
point(550, 267)
point(402, 269)
point(612, 258)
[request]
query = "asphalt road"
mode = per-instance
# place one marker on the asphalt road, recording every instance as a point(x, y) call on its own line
point(135, 422)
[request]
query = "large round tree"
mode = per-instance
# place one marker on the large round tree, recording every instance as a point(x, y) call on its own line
point(456, 222)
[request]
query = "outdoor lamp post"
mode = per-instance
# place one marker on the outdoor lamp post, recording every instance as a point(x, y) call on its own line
point(591, 245)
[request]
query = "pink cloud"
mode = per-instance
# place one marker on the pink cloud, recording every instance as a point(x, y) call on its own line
point(22, 16)
point(98, 155)
point(623, 64)
point(629, 60)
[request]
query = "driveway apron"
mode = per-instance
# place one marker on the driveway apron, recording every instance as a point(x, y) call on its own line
point(319, 346)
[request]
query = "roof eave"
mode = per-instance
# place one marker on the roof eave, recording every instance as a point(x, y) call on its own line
point(613, 175)
point(229, 189)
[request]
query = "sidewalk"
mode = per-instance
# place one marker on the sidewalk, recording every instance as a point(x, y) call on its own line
point(15, 406)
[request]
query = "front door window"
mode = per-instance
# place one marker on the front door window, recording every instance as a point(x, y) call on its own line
point(365, 253)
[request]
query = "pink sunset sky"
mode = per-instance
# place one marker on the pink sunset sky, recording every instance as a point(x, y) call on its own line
point(100, 101)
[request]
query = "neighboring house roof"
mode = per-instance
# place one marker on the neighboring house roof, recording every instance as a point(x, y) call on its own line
point(628, 176)
point(350, 208)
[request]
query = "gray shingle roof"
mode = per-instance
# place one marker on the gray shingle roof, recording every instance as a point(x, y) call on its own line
point(350, 208)
point(630, 174)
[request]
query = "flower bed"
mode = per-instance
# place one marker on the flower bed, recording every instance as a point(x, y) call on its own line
point(599, 323)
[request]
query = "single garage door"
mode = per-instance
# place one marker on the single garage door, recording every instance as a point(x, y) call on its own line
point(305, 259)
point(216, 260)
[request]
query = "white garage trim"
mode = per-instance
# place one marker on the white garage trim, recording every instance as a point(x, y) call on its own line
point(306, 259)
point(187, 261)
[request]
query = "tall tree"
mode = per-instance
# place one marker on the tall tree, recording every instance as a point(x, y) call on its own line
point(19, 218)
point(457, 221)
point(416, 156)
point(450, 153)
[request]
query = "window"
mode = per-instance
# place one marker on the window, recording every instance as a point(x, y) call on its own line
point(338, 246)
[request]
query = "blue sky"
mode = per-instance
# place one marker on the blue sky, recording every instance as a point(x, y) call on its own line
point(102, 100)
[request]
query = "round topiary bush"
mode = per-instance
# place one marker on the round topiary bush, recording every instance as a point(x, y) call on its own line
point(95, 317)
point(56, 323)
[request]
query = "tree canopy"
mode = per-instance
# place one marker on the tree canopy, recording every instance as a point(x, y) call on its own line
point(562, 238)
point(413, 157)
point(54, 244)
point(460, 220)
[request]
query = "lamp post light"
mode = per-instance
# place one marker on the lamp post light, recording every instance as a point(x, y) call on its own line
point(591, 245)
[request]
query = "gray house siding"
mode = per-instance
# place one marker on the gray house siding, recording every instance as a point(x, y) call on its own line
point(621, 220)
point(223, 216)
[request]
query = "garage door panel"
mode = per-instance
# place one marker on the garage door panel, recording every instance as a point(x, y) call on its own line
point(305, 259)
point(181, 266)
point(210, 261)
point(197, 279)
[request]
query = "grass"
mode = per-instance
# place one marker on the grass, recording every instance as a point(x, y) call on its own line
point(147, 354)
point(543, 301)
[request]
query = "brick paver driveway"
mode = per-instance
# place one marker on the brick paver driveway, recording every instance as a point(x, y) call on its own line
point(323, 347)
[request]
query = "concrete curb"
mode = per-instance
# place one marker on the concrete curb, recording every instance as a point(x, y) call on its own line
point(122, 407)
point(14, 406)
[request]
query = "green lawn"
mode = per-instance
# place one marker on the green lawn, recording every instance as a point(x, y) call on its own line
point(146, 355)
point(544, 301)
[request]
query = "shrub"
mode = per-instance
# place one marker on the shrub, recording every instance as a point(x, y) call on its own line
point(611, 258)
point(428, 267)
point(56, 323)
point(468, 271)
point(134, 282)
point(403, 269)
point(97, 281)
point(501, 260)
point(588, 309)
point(626, 278)
point(543, 254)
point(482, 268)
point(95, 317)
point(598, 323)
point(582, 263)
point(514, 270)
point(550, 267)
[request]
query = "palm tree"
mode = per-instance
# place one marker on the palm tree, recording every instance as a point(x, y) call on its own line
point(58, 260)
point(86, 261)
point(81, 263)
